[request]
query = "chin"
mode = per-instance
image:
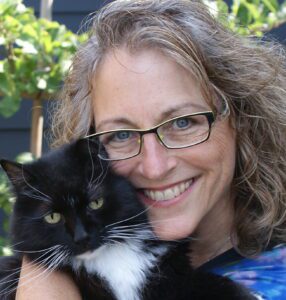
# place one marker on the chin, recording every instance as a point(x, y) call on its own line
point(170, 233)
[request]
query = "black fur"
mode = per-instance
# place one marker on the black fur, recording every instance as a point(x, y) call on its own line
point(66, 181)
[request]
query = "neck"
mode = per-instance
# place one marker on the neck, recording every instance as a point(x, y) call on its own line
point(213, 235)
point(200, 256)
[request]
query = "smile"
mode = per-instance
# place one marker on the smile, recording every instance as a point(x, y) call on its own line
point(169, 193)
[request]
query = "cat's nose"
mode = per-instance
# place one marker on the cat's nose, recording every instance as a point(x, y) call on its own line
point(80, 234)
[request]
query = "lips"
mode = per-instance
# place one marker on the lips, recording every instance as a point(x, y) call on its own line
point(169, 193)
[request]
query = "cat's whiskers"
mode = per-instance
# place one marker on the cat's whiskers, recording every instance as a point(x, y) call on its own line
point(38, 217)
point(36, 266)
point(132, 230)
point(33, 188)
point(139, 232)
point(128, 219)
point(134, 238)
point(12, 245)
point(37, 251)
point(47, 270)
point(92, 164)
point(56, 258)
point(145, 224)
point(112, 241)
point(150, 226)
point(37, 197)
point(98, 181)
point(132, 227)
point(17, 270)
point(103, 172)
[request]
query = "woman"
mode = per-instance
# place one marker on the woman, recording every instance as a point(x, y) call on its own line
point(148, 62)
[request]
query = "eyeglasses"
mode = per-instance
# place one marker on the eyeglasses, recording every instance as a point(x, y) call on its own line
point(176, 133)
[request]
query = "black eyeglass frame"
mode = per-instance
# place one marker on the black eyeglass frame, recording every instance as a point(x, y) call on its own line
point(209, 115)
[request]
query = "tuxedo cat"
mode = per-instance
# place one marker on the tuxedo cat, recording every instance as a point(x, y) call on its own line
point(72, 213)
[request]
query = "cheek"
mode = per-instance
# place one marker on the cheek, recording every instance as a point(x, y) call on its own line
point(223, 143)
point(124, 167)
point(218, 160)
point(216, 157)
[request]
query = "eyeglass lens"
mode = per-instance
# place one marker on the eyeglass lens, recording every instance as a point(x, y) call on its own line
point(177, 133)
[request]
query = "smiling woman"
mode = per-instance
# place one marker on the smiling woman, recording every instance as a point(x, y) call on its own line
point(194, 116)
point(147, 88)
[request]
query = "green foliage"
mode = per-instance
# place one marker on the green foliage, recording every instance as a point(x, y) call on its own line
point(35, 54)
point(6, 202)
point(250, 17)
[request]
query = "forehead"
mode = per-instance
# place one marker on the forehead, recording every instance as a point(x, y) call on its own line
point(143, 89)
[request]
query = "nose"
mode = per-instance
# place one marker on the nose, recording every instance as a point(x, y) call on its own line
point(80, 234)
point(155, 161)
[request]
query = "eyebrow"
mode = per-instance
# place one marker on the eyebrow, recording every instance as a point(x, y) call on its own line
point(168, 114)
point(173, 111)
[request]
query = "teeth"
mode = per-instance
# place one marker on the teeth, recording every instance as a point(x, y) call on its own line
point(168, 193)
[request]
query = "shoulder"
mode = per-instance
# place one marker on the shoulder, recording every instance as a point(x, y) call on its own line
point(264, 274)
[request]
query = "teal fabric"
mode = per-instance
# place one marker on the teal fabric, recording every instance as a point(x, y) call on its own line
point(265, 275)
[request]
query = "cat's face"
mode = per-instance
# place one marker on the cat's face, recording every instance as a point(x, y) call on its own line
point(70, 201)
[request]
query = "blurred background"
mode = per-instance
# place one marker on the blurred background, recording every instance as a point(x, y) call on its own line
point(35, 54)
point(15, 130)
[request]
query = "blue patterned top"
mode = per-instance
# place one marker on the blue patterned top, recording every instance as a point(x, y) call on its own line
point(265, 275)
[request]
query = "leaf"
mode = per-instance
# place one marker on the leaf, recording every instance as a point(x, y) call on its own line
point(1, 66)
point(9, 105)
point(3, 246)
point(42, 84)
point(7, 251)
point(29, 33)
point(21, 8)
point(24, 157)
point(27, 47)
point(7, 86)
point(2, 40)
point(272, 5)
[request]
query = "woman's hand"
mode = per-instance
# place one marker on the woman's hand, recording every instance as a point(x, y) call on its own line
point(34, 284)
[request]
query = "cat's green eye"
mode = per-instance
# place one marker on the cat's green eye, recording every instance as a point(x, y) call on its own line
point(96, 204)
point(53, 218)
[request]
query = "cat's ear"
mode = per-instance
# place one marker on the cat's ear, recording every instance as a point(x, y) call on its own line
point(15, 171)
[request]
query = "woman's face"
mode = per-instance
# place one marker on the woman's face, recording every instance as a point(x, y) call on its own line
point(141, 90)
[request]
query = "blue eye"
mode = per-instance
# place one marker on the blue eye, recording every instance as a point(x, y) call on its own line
point(122, 135)
point(117, 137)
point(182, 123)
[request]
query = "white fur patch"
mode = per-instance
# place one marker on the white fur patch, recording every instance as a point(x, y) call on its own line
point(125, 266)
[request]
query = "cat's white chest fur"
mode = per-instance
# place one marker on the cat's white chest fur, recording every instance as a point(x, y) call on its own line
point(124, 266)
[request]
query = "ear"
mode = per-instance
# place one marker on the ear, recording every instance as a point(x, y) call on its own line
point(14, 171)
